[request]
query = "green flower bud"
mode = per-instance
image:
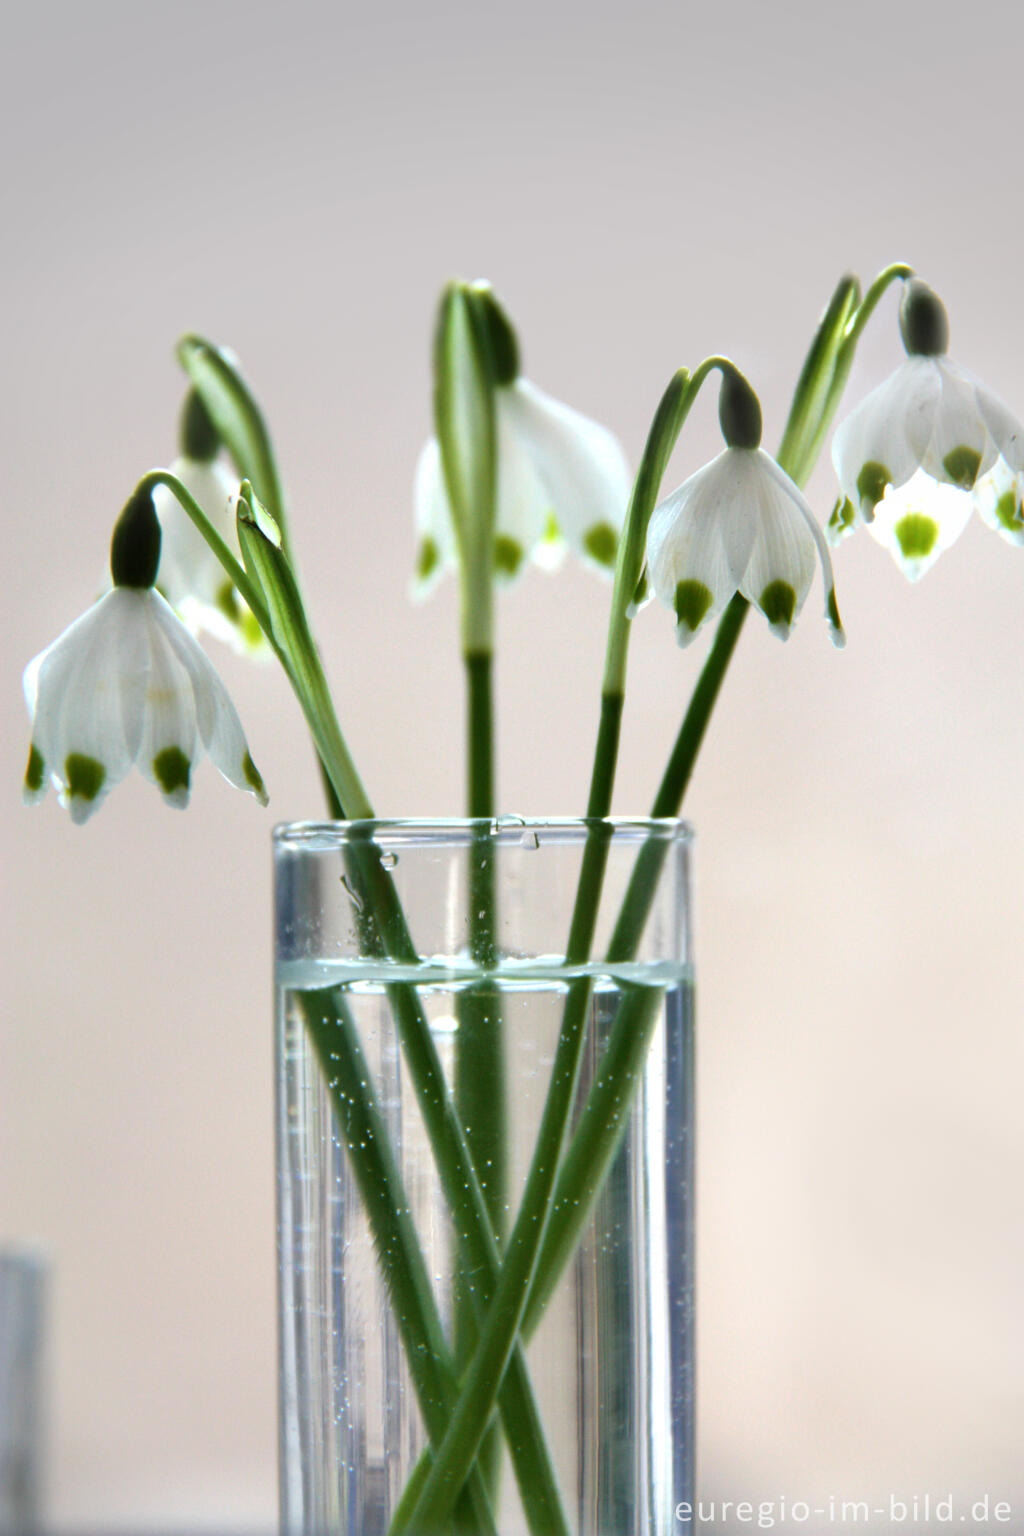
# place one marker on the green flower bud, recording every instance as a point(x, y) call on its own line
point(923, 323)
point(502, 342)
point(739, 411)
point(135, 546)
point(197, 434)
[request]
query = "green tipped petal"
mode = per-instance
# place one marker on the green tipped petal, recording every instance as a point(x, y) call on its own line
point(842, 521)
point(962, 465)
point(871, 484)
point(254, 779)
point(173, 770)
point(692, 604)
point(917, 535)
point(601, 543)
point(832, 613)
point(1008, 512)
point(778, 604)
point(84, 776)
point(427, 559)
point(35, 773)
point(508, 555)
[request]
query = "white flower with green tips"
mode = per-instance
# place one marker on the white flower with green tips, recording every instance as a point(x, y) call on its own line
point(561, 479)
point(127, 684)
point(740, 524)
point(926, 448)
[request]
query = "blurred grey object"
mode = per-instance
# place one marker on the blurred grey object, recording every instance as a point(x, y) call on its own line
point(22, 1309)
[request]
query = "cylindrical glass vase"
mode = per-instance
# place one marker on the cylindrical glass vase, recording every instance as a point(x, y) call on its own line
point(447, 994)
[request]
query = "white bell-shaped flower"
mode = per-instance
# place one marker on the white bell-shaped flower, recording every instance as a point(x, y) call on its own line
point(926, 448)
point(737, 525)
point(561, 479)
point(740, 524)
point(127, 684)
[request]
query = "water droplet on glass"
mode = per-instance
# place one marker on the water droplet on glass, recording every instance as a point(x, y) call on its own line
point(388, 860)
point(529, 840)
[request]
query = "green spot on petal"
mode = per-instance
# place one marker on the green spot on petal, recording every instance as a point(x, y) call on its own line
point(962, 465)
point(833, 610)
point(35, 770)
point(227, 602)
point(172, 769)
point(916, 535)
point(552, 532)
point(251, 632)
point(871, 483)
point(843, 519)
point(1008, 512)
point(778, 604)
point(601, 543)
point(84, 775)
point(254, 778)
point(693, 599)
point(508, 554)
point(427, 560)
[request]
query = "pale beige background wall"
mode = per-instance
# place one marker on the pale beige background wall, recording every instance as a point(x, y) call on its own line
point(642, 185)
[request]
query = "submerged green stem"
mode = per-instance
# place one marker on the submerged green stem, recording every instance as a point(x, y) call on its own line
point(500, 1333)
point(347, 1075)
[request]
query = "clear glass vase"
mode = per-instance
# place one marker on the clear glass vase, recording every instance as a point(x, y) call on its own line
point(448, 992)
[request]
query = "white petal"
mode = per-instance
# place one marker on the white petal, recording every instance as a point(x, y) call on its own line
point(436, 551)
point(580, 464)
point(167, 749)
point(1005, 431)
point(885, 437)
point(220, 729)
point(798, 501)
point(703, 534)
point(781, 567)
point(920, 520)
point(998, 497)
point(959, 446)
point(80, 714)
point(525, 507)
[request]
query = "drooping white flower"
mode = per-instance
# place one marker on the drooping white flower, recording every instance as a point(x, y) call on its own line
point(190, 575)
point(926, 448)
point(737, 525)
point(561, 479)
point(127, 684)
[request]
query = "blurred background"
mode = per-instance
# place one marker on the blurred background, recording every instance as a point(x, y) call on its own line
point(642, 186)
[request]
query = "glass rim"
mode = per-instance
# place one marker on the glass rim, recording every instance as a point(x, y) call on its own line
point(462, 831)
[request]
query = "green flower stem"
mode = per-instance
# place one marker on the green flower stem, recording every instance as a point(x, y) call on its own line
point(239, 577)
point(673, 409)
point(897, 272)
point(818, 370)
point(604, 1115)
point(290, 633)
point(384, 931)
point(479, 734)
point(347, 1075)
point(499, 1334)
point(466, 428)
